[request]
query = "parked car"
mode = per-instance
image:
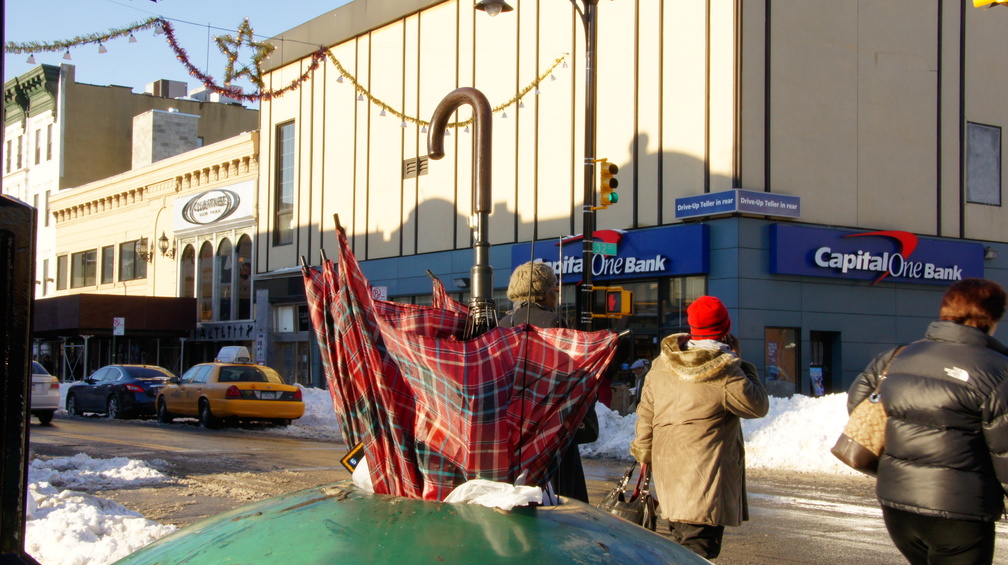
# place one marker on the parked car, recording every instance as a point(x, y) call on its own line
point(230, 389)
point(118, 391)
point(45, 394)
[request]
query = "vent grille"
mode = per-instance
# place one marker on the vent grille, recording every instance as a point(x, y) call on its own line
point(412, 168)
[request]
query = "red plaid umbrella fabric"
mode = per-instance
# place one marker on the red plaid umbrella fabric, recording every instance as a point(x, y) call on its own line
point(434, 410)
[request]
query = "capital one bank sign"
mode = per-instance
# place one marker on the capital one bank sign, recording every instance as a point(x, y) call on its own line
point(875, 256)
point(654, 252)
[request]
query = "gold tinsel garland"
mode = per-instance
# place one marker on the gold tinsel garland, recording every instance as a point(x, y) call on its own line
point(229, 46)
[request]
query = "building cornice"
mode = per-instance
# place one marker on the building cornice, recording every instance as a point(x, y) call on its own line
point(200, 169)
point(31, 94)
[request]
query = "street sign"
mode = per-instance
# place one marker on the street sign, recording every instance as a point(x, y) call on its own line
point(118, 326)
point(603, 248)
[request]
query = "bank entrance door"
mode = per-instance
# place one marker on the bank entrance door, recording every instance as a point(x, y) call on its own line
point(824, 366)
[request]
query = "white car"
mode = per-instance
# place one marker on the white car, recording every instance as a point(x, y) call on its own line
point(45, 394)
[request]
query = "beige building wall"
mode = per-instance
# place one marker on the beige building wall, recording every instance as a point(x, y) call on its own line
point(141, 203)
point(859, 108)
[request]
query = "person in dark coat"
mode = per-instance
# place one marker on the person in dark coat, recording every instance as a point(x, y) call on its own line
point(535, 295)
point(943, 475)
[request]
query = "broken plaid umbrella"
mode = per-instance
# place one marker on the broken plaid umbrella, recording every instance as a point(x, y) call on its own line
point(433, 410)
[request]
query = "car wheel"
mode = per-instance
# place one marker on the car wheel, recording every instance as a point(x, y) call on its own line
point(114, 411)
point(206, 418)
point(71, 405)
point(163, 415)
point(45, 417)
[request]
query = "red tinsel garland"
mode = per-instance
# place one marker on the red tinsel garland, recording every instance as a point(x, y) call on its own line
point(233, 91)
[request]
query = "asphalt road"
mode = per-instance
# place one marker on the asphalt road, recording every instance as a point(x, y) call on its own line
point(795, 517)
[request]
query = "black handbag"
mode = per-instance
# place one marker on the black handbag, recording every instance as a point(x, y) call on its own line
point(588, 431)
point(639, 507)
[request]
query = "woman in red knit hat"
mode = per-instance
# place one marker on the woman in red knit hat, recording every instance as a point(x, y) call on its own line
point(689, 427)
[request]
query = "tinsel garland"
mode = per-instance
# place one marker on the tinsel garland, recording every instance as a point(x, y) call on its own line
point(254, 75)
point(66, 44)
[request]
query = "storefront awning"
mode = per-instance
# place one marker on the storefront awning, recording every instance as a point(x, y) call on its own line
point(93, 314)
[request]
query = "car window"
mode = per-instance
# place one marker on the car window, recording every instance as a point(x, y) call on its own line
point(38, 369)
point(187, 377)
point(99, 375)
point(241, 375)
point(148, 373)
point(202, 375)
point(113, 374)
point(273, 376)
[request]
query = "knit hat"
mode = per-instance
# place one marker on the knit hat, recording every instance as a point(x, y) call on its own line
point(542, 277)
point(708, 318)
point(639, 364)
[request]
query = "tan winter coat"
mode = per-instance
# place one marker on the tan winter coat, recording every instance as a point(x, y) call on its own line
point(689, 428)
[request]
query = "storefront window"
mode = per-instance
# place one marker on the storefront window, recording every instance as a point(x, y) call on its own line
point(205, 297)
point(224, 272)
point(244, 280)
point(781, 361)
point(187, 273)
point(292, 362)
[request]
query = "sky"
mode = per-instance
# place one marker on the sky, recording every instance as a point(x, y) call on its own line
point(68, 526)
point(135, 65)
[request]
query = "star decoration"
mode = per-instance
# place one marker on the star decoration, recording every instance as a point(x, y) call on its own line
point(230, 45)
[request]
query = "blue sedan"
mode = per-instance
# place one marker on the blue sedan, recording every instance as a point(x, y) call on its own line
point(118, 391)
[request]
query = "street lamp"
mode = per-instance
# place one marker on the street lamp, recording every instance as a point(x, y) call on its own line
point(586, 9)
point(493, 7)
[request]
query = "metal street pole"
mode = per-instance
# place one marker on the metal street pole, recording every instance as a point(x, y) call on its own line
point(587, 10)
point(589, 20)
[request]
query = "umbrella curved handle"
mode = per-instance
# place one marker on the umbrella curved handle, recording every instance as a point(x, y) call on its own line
point(482, 272)
point(482, 128)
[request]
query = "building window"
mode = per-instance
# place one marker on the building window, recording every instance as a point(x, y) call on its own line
point(61, 272)
point(7, 168)
point(47, 213)
point(83, 268)
point(983, 164)
point(187, 273)
point(48, 154)
point(20, 152)
point(243, 282)
point(205, 268)
point(108, 264)
point(45, 277)
point(285, 317)
point(283, 196)
point(131, 266)
point(224, 270)
point(38, 146)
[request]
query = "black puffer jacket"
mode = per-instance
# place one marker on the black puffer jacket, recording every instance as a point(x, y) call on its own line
point(946, 451)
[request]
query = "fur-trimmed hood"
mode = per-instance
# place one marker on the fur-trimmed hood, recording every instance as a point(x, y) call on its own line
point(695, 364)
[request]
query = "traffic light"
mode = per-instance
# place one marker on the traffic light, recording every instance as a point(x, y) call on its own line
point(607, 184)
point(618, 302)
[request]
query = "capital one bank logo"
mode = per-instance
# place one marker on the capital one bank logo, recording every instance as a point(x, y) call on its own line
point(898, 264)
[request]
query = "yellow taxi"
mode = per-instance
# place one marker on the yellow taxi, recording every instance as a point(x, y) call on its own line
point(231, 389)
